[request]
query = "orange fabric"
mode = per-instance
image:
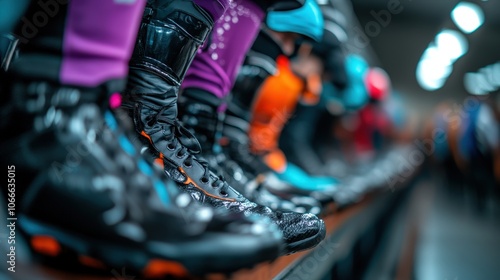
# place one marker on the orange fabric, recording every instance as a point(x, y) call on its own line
point(313, 90)
point(159, 161)
point(162, 268)
point(91, 262)
point(276, 160)
point(143, 133)
point(273, 107)
point(46, 245)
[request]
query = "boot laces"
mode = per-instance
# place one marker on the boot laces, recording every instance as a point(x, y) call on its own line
point(184, 141)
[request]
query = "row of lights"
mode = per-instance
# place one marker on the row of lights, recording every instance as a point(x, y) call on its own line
point(436, 63)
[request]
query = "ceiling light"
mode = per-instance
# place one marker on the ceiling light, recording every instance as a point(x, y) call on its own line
point(437, 61)
point(431, 74)
point(451, 44)
point(467, 16)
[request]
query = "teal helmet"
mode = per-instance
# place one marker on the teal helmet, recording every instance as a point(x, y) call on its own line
point(306, 20)
point(356, 94)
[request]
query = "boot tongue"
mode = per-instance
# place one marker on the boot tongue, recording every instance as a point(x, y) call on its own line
point(187, 139)
point(167, 114)
point(167, 119)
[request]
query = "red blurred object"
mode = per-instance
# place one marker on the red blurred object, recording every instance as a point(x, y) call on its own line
point(377, 83)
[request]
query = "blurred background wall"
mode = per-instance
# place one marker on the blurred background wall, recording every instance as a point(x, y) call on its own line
point(400, 44)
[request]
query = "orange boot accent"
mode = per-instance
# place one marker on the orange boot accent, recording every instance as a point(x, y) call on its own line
point(273, 107)
point(163, 268)
point(313, 90)
point(159, 161)
point(46, 245)
point(91, 262)
point(276, 160)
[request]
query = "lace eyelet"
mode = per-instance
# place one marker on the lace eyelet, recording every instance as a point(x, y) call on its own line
point(204, 180)
point(179, 155)
point(187, 165)
point(224, 193)
point(170, 147)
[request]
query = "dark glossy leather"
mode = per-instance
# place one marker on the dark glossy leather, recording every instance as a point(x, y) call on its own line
point(240, 151)
point(94, 193)
point(297, 137)
point(266, 5)
point(197, 112)
point(178, 150)
point(151, 100)
point(259, 64)
point(198, 109)
point(169, 36)
point(77, 161)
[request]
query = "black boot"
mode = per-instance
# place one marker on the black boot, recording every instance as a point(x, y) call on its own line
point(296, 140)
point(260, 63)
point(199, 114)
point(91, 195)
point(156, 71)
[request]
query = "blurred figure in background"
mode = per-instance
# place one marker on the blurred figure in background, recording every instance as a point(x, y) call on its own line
point(470, 152)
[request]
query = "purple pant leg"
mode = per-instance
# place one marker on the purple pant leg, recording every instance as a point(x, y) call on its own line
point(98, 40)
point(215, 67)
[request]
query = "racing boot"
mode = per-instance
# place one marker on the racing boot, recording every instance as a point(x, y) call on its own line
point(272, 108)
point(156, 73)
point(90, 196)
point(93, 199)
point(199, 113)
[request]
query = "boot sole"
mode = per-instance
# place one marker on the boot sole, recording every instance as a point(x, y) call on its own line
point(154, 259)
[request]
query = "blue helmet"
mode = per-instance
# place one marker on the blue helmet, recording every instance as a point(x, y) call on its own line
point(306, 20)
point(356, 95)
